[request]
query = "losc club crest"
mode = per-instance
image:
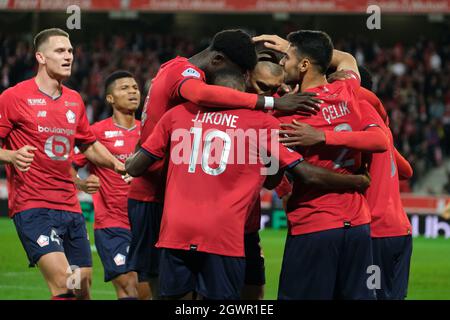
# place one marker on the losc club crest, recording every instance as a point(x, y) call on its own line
point(119, 259)
point(43, 241)
point(70, 115)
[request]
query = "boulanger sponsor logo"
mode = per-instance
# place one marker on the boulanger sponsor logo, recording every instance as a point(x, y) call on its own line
point(119, 259)
point(70, 115)
point(36, 102)
point(123, 156)
point(68, 132)
point(43, 241)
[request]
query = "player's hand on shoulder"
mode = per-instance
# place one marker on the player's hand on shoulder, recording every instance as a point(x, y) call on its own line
point(89, 185)
point(272, 41)
point(300, 134)
point(22, 158)
point(304, 103)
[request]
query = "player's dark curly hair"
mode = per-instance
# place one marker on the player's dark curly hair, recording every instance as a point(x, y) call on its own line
point(237, 45)
point(366, 77)
point(316, 45)
point(115, 76)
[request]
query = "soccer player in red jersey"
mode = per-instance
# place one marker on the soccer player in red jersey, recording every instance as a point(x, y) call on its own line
point(265, 79)
point(390, 227)
point(202, 230)
point(41, 121)
point(119, 134)
point(328, 248)
point(180, 80)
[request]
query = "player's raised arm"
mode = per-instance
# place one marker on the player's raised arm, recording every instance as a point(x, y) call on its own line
point(204, 94)
point(344, 61)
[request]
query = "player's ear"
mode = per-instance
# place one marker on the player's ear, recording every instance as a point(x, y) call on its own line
point(40, 57)
point(110, 99)
point(304, 65)
point(218, 59)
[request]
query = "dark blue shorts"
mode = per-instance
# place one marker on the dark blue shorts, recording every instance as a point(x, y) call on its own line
point(210, 275)
point(254, 260)
point(43, 231)
point(112, 246)
point(330, 264)
point(393, 256)
point(145, 222)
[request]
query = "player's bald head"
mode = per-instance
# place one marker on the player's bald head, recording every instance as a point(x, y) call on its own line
point(42, 37)
point(275, 69)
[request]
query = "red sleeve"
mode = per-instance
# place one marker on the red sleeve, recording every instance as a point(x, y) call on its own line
point(373, 140)
point(84, 134)
point(372, 99)
point(203, 94)
point(284, 188)
point(158, 142)
point(405, 170)
point(7, 114)
point(287, 158)
point(179, 75)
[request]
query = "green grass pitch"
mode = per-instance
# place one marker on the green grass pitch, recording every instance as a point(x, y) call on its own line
point(429, 279)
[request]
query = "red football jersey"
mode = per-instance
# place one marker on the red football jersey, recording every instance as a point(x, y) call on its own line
point(389, 219)
point(214, 174)
point(253, 222)
point(110, 202)
point(54, 126)
point(311, 210)
point(163, 95)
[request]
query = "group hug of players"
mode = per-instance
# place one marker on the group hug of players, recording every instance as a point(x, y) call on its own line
point(175, 215)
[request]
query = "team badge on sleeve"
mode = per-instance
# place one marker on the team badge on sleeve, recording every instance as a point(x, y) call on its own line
point(70, 116)
point(191, 72)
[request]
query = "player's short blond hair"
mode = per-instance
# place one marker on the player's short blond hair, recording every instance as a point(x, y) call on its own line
point(44, 35)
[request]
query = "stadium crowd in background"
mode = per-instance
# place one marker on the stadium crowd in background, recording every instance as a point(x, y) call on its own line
point(411, 80)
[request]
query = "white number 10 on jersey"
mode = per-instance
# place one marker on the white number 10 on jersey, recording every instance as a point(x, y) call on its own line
point(197, 132)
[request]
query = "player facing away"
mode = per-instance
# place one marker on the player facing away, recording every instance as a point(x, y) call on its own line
point(390, 227)
point(119, 134)
point(328, 248)
point(41, 121)
point(180, 80)
point(214, 177)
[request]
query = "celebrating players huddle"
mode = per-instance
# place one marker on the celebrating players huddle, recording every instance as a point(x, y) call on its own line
point(291, 115)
